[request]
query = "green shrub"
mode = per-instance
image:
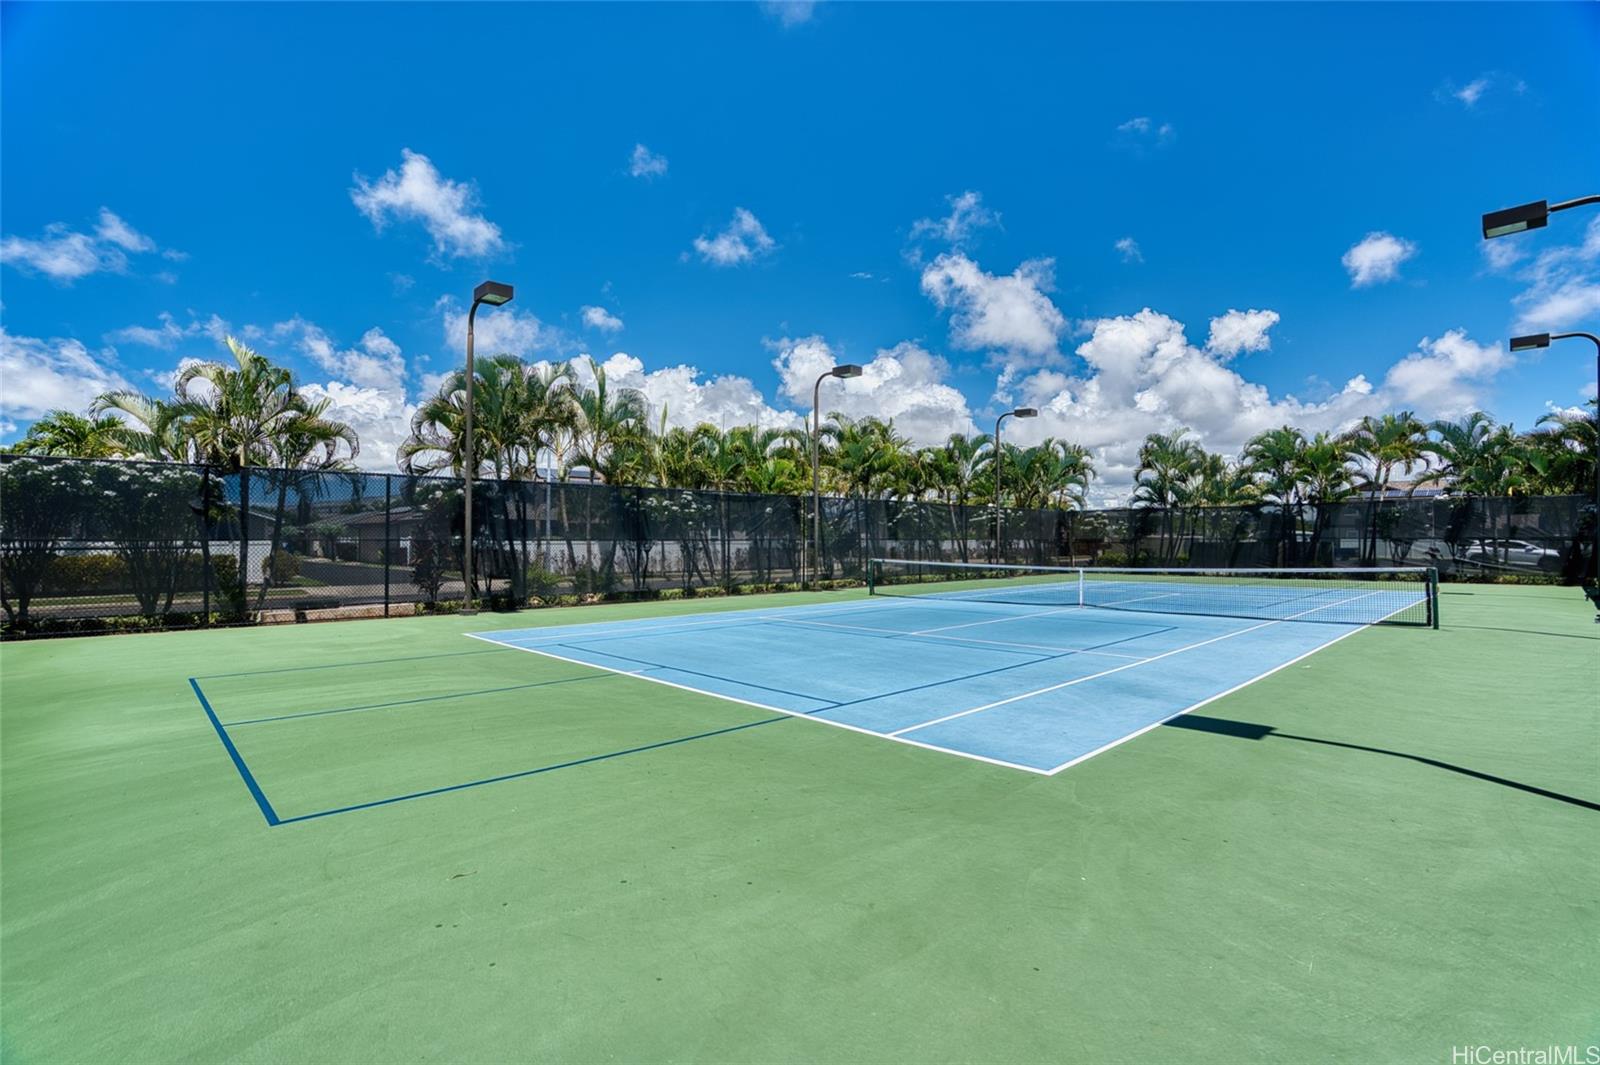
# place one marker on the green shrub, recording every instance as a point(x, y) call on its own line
point(85, 574)
point(542, 583)
point(227, 592)
point(282, 567)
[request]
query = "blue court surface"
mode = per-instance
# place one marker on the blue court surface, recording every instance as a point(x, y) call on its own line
point(1028, 687)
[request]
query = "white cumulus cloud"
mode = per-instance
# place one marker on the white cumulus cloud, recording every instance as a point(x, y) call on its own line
point(506, 329)
point(374, 362)
point(1376, 258)
point(64, 255)
point(905, 383)
point(1142, 375)
point(1445, 376)
point(1563, 286)
point(742, 240)
point(601, 319)
point(381, 418)
point(168, 334)
point(38, 375)
point(1239, 331)
point(418, 192)
point(1009, 313)
point(688, 397)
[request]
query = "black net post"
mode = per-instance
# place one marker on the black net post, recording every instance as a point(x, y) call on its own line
point(1433, 596)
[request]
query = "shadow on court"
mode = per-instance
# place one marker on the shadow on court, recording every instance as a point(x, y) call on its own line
point(1245, 730)
point(1529, 632)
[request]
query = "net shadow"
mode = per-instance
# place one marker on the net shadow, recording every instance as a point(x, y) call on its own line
point(1249, 731)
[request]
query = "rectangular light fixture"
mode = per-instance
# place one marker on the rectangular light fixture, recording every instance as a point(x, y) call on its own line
point(1530, 342)
point(1534, 215)
point(492, 293)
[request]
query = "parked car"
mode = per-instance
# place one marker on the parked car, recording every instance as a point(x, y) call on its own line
point(1518, 553)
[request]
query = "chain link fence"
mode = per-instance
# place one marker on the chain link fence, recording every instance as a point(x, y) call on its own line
point(91, 546)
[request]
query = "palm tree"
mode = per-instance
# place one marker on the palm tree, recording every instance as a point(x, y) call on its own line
point(1168, 465)
point(1326, 478)
point(307, 447)
point(1384, 445)
point(602, 416)
point(61, 432)
point(1562, 451)
point(1276, 458)
point(152, 428)
point(235, 416)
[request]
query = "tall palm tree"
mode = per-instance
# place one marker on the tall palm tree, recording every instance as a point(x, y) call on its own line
point(1276, 458)
point(308, 446)
point(603, 415)
point(1326, 478)
point(235, 415)
point(1383, 446)
point(1167, 472)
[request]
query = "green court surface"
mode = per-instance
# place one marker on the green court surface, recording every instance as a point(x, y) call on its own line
point(1388, 849)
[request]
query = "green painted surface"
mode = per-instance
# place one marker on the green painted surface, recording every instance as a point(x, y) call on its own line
point(791, 891)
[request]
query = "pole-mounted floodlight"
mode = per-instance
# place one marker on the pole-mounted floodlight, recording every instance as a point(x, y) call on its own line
point(842, 372)
point(1532, 342)
point(494, 294)
point(1519, 219)
point(999, 458)
point(1533, 216)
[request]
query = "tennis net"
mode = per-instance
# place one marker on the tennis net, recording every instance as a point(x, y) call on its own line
point(1393, 595)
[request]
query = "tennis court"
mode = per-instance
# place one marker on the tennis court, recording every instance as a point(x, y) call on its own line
point(1029, 668)
point(820, 826)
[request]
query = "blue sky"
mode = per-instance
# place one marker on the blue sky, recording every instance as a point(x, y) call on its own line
point(1135, 217)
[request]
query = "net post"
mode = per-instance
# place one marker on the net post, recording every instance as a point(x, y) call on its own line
point(872, 569)
point(1433, 596)
point(1080, 585)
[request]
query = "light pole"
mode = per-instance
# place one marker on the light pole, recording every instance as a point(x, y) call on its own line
point(847, 370)
point(1542, 340)
point(999, 460)
point(1520, 219)
point(494, 294)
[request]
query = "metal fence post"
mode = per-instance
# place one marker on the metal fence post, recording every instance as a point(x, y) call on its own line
point(205, 546)
point(387, 539)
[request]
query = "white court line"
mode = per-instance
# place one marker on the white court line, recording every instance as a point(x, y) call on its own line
point(927, 634)
point(1203, 702)
point(639, 675)
point(1108, 672)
